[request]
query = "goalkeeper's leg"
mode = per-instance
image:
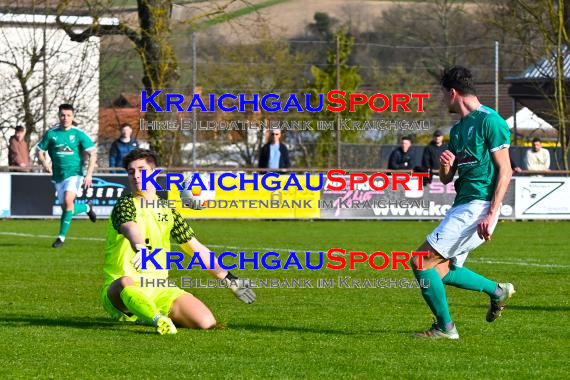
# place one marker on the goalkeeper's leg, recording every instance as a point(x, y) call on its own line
point(189, 311)
point(129, 298)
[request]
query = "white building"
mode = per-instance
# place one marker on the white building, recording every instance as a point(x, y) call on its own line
point(71, 74)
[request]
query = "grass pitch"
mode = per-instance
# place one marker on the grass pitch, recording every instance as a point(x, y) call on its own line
point(52, 326)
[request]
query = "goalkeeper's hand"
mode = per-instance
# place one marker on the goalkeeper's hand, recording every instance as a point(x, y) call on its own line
point(137, 258)
point(240, 288)
point(194, 204)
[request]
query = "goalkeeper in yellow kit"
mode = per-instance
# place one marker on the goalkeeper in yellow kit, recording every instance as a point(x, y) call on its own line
point(132, 228)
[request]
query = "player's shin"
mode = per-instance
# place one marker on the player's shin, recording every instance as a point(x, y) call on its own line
point(139, 304)
point(65, 223)
point(434, 294)
point(466, 279)
point(80, 208)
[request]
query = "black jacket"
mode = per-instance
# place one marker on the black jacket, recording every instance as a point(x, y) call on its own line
point(400, 160)
point(283, 159)
point(430, 159)
point(119, 150)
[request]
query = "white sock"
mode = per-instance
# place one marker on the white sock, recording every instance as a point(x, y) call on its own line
point(62, 238)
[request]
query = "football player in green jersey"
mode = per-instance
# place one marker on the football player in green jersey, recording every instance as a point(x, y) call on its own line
point(68, 147)
point(479, 153)
point(131, 293)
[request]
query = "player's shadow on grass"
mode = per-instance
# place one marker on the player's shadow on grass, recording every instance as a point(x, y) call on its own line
point(77, 322)
point(5, 245)
point(552, 308)
point(302, 329)
point(538, 308)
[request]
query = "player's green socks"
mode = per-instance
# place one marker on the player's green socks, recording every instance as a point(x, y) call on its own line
point(80, 208)
point(65, 223)
point(139, 304)
point(433, 292)
point(466, 279)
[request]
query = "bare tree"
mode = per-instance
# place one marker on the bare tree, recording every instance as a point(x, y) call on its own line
point(35, 75)
point(151, 39)
point(540, 29)
point(266, 66)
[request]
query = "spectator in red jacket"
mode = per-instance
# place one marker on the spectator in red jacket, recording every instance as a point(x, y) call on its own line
point(18, 152)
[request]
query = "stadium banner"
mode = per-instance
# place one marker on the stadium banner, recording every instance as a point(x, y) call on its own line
point(256, 204)
point(34, 195)
point(430, 203)
point(542, 198)
point(6, 191)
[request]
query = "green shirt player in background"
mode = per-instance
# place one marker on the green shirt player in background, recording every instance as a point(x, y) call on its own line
point(479, 152)
point(131, 293)
point(68, 147)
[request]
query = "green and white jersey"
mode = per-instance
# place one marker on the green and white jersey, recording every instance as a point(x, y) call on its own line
point(473, 140)
point(158, 226)
point(65, 148)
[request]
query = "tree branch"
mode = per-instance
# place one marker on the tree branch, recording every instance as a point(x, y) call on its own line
point(95, 29)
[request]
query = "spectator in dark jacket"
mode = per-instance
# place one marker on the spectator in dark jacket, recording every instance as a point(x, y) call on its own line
point(274, 155)
point(430, 158)
point(432, 151)
point(400, 159)
point(122, 146)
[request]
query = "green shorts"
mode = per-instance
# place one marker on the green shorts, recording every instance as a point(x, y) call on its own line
point(163, 298)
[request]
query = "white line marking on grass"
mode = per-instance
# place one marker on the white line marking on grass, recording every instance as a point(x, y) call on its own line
point(521, 262)
point(266, 249)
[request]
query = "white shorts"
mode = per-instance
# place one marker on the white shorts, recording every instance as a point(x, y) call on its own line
point(456, 235)
point(72, 184)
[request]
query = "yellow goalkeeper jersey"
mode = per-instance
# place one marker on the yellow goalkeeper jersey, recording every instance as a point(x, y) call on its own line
point(158, 226)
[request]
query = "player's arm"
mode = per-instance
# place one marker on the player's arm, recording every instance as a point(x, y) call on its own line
point(90, 167)
point(42, 149)
point(503, 163)
point(88, 149)
point(194, 245)
point(132, 232)
point(498, 136)
point(43, 161)
point(448, 167)
point(123, 219)
point(501, 158)
point(186, 238)
point(183, 234)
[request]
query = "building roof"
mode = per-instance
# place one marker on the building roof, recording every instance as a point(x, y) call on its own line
point(545, 68)
point(110, 120)
point(21, 18)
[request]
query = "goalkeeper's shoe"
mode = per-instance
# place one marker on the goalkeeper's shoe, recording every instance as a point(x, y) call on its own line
point(436, 333)
point(164, 325)
point(497, 305)
point(91, 214)
point(240, 288)
point(58, 243)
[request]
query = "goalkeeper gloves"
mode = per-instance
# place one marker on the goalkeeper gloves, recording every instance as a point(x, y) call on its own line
point(137, 258)
point(240, 288)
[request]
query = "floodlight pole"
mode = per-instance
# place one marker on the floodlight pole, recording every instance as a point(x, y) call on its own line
point(338, 162)
point(193, 91)
point(497, 76)
point(44, 81)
